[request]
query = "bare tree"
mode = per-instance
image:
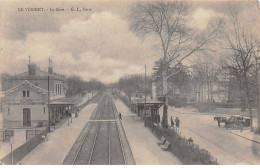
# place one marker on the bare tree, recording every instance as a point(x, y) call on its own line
point(168, 22)
point(241, 44)
point(76, 85)
point(206, 70)
point(131, 84)
point(5, 82)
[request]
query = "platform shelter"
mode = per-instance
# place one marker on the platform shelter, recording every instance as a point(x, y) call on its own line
point(152, 109)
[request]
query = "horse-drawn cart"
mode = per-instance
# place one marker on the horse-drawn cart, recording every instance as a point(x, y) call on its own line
point(236, 121)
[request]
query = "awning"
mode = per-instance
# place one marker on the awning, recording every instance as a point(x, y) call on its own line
point(61, 103)
point(148, 101)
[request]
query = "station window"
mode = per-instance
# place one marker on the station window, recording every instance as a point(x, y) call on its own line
point(24, 94)
point(56, 87)
point(28, 93)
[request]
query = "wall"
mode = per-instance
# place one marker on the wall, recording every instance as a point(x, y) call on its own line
point(15, 116)
point(41, 81)
point(14, 103)
point(57, 91)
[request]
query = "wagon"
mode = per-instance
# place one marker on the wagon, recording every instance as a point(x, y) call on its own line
point(236, 121)
point(246, 122)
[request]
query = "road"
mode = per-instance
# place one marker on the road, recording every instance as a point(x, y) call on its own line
point(101, 143)
point(226, 147)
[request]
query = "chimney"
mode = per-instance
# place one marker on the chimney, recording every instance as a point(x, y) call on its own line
point(50, 68)
point(32, 69)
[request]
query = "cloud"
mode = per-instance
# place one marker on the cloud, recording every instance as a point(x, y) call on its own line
point(201, 17)
point(100, 47)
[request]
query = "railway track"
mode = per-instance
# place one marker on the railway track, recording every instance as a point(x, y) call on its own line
point(102, 144)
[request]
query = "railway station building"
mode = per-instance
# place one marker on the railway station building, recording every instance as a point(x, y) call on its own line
point(25, 103)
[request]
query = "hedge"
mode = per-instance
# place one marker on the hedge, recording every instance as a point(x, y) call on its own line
point(188, 153)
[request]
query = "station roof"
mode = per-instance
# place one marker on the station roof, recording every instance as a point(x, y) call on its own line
point(148, 101)
point(26, 82)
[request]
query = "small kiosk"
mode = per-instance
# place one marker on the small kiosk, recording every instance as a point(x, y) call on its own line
point(152, 109)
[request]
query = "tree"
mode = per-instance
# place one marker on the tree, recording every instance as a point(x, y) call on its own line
point(5, 82)
point(168, 21)
point(134, 83)
point(75, 85)
point(205, 71)
point(240, 43)
point(181, 79)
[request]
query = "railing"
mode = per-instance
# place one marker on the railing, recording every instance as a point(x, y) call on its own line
point(32, 133)
point(19, 124)
point(5, 135)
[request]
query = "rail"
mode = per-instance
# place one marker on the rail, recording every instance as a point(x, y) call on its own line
point(84, 139)
point(106, 100)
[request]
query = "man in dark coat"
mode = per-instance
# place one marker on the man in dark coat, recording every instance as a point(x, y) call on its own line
point(172, 123)
point(177, 121)
point(120, 116)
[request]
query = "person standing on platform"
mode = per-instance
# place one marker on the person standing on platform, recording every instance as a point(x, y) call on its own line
point(172, 123)
point(120, 116)
point(177, 121)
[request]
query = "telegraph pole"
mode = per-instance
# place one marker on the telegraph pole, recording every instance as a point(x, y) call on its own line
point(257, 96)
point(145, 95)
point(49, 115)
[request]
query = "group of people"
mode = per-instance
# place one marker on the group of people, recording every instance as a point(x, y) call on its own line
point(177, 122)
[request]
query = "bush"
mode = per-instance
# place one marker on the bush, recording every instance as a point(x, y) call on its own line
point(205, 107)
point(178, 102)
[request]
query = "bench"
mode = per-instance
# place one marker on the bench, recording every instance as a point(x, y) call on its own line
point(161, 141)
point(166, 145)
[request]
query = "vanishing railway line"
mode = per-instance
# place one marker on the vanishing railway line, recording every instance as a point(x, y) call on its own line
point(102, 143)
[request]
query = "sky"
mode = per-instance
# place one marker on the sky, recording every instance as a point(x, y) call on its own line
point(91, 44)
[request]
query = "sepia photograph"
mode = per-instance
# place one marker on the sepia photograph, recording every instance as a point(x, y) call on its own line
point(130, 82)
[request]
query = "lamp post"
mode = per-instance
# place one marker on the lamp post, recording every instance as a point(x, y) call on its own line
point(70, 113)
point(67, 110)
point(11, 145)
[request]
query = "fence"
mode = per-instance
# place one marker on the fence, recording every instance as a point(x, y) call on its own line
point(24, 149)
point(126, 101)
point(32, 133)
point(5, 135)
point(87, 102)
point(18, 124)
point(188, 153)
